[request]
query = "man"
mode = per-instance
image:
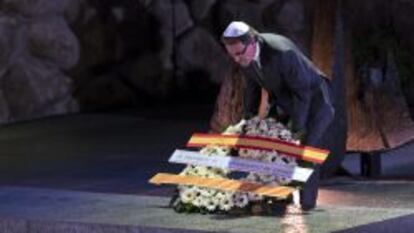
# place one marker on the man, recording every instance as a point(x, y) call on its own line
point(295, 86)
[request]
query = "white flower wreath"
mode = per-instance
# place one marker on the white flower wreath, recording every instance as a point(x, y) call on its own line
point(211, 199)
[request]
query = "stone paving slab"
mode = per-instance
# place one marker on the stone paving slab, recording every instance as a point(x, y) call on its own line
point(27, 210)
point(370, 194)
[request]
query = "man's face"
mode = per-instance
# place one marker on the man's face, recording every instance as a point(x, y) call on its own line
point(241, 53)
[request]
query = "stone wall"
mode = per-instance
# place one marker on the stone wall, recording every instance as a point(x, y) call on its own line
point(60, 56)
point(36, 47)
point(139, 51)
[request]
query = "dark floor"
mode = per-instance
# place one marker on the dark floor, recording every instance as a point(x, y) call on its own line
point(106, 152)
point(117, 152)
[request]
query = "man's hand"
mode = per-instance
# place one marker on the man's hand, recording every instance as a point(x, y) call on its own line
point(300, 135)
point(264, 104)
point(296, 134)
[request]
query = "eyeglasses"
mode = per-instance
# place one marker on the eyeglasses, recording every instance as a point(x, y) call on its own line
point(243, 51)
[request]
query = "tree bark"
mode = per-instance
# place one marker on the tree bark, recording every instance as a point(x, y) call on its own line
point(328, 53)
point(378, 116)
point(229, 103)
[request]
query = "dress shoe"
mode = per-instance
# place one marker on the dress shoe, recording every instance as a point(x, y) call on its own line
point(307, 207)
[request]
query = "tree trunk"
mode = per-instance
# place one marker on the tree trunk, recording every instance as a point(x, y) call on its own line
point(229, 103)
point(328, 53)
point(378, 116)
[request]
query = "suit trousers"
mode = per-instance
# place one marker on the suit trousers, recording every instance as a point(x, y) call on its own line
point(320, 117)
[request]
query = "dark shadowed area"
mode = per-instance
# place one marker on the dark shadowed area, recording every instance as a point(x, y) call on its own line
point(95, 95)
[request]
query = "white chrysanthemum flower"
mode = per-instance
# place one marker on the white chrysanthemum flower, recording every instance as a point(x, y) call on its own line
point(210, 203)
point(220, 195)
point(272, 153)
point(254, 132)
point(288, 160)
point(184, 187)
point(203, 191)
point(263, 126)
point(254, 197)
point(198, 201)
point(262, 155)
point(244, 152)
point(252, 154)
point(202, 171)
point(254, 121)
point(222, 151)
point(273, 158)
point(215, 150)
point(207, 150)
point(190, 171)
point(265, 178)
point(273, 134)
point(274, 183)
point(213, 199)
point(196, 171)
point(226, 203)
point(283, 180)
point(240, 199)
point(267, 128)
point(187, 195)
point(253, 177)
point(197, 190)
point(218, 172)
point(285, 134)
point(252, 126)
point(207, 192)
point(235, 129)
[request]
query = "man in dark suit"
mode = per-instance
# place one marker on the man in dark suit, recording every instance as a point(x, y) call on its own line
point(293, 83)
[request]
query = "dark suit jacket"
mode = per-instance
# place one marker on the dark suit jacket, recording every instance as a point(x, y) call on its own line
point(288, 76)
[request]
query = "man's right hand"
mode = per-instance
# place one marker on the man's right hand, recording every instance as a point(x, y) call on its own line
point(264, 104)
point(300, 135)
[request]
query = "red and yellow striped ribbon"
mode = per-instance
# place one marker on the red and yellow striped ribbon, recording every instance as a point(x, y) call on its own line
point(306, 153)
point(222, 184)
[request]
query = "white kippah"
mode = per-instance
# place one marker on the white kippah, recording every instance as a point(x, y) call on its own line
point(236, 29)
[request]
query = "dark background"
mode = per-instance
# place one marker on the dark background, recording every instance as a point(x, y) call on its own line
point(81, 56)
